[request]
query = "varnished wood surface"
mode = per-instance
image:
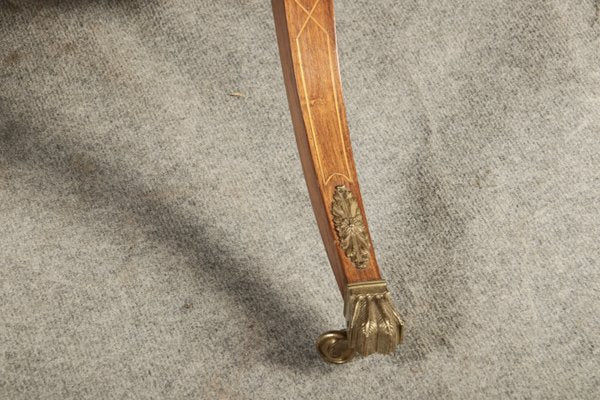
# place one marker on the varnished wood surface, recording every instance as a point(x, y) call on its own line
point(308, 50)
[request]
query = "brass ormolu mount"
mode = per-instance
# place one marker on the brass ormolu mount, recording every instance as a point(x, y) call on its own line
point(373, 325)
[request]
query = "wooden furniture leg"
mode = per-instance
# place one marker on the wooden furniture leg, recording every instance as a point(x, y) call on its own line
point(308, 50)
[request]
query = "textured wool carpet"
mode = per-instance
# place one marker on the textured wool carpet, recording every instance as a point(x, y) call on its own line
point(157, 239)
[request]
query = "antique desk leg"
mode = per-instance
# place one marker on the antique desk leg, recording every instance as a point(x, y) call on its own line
point(308, 50)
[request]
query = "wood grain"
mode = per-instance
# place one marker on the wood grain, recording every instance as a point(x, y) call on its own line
point(308, 50)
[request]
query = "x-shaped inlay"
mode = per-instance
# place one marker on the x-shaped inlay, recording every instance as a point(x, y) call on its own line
point(310, 16)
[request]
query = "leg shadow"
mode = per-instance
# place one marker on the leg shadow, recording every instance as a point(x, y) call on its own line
point(433, 281)
point(108, 185)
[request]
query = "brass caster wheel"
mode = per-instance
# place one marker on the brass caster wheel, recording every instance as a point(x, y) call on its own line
point(333, 346)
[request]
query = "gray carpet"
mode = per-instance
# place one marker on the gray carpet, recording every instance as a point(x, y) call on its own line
point(157, 239)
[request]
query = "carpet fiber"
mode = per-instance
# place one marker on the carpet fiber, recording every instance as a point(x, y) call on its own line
point(157, 240)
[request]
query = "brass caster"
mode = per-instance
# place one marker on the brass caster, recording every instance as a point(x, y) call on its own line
point(373, 325)
point(333, 346)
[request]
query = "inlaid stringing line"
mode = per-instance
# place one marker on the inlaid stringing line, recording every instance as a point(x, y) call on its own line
point(335, 98)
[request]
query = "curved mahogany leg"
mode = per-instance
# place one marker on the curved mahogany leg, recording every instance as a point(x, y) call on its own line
point(307, 46)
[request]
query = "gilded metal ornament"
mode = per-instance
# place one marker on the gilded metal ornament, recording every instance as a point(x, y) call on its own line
point(350, 227)
point(373, 325)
